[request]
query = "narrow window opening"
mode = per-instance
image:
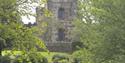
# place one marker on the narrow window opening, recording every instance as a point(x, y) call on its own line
point(61, 35)
point(61, 14)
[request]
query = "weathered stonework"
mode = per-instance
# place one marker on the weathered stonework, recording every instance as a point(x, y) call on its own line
point(58, 36)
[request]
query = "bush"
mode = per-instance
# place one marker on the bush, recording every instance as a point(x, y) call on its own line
point(5, 59)
point(60, 58)
point(24, 58)
point(77, 45)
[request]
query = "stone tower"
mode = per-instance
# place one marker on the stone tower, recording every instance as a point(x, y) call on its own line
point(58, 36)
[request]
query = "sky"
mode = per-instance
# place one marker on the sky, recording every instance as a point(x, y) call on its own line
point(26, 20)
point(31, 19)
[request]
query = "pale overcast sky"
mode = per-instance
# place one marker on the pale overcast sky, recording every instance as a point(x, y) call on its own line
point(26, 20)
point(31, 19)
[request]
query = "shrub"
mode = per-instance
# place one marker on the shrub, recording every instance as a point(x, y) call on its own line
point(60, 58)
point(5, 59)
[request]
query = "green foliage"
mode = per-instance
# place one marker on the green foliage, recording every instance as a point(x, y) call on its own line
point(31, 57)
point(60, 58)
point(101, 26)
point(40, 57)
point(82, 56)
point(14, 35)
point(19, 37)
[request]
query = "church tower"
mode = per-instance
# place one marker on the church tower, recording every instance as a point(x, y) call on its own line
point(58, 36)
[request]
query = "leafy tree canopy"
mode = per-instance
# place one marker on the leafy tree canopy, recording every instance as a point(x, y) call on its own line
point(101, 25)
point(13, 34)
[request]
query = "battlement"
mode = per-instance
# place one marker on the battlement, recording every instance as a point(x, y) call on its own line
point(61, 0)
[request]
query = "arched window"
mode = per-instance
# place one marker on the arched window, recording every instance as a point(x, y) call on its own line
point(61, 14)
point(61, 35)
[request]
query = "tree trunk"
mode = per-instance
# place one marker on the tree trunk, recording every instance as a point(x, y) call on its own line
point(0, 52)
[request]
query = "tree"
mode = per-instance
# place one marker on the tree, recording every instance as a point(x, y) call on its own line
point(13, 34)
point(101, 25)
